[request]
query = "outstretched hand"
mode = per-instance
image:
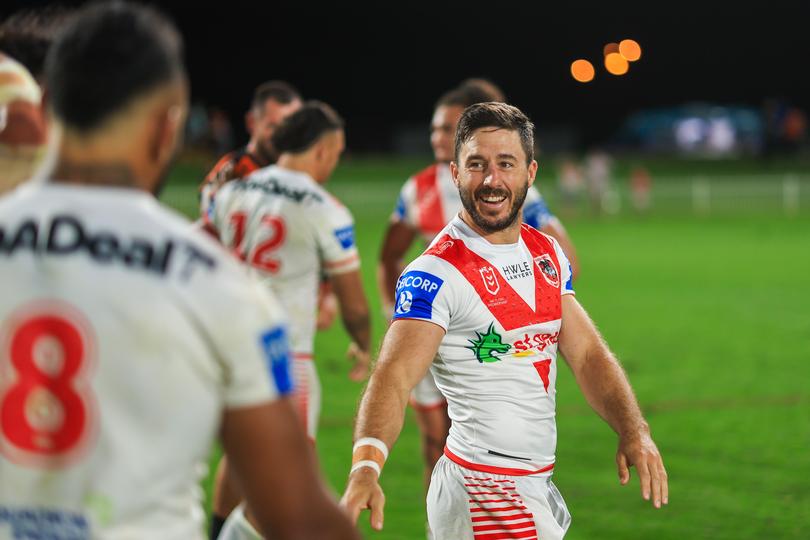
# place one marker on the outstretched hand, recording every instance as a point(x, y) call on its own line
point(362, 493)
point(640, 451)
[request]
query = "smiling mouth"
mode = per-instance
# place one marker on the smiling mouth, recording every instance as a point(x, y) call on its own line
point(492, 201)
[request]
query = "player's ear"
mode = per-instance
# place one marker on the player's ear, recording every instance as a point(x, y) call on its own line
point(533, 167)
point(454, 172)
point(168, 133)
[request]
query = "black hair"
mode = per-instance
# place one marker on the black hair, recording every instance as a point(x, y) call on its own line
point(495, 115)
point(299, 131)
point(27, 35)
point(280, 91)
point(107, 55)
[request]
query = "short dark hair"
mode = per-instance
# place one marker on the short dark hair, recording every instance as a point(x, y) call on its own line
point(27, 35)
point(280, 91)
point(470, 92)
point(299, 131)
point(495, 115)
point(107, 55)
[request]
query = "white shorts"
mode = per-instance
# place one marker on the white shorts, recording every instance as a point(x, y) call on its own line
point(237, 527)
point(426, 395)
point(469, 505)
point(307, 392)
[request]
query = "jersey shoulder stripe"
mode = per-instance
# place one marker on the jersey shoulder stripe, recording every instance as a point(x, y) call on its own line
point(429, 201)
point(505, 304)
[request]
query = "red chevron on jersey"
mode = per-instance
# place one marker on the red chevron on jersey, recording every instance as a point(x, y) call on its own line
point(431, 213)
point(506, 305)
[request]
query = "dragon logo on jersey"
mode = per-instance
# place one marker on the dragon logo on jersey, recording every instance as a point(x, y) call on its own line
point(487, 344)
point(490, 279)
point(549, 271)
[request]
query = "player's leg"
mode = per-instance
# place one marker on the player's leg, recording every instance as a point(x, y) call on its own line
point(307, 393)
point(431, 417)
point(225, 498)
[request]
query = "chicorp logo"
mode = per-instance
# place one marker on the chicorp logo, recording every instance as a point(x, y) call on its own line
point(416, 292)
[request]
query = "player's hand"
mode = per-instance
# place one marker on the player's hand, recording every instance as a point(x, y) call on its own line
point(362, 360)
point(639, 451)
point(364, 492)
point(327, 311)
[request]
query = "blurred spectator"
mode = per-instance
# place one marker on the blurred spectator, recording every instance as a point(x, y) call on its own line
point(221, 131)
point(598, 165)
point(640, 189)
point(572, 183)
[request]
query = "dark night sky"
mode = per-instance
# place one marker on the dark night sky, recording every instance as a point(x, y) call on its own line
point(384, 64)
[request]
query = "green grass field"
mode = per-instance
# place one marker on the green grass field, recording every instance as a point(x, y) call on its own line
point(709, 315)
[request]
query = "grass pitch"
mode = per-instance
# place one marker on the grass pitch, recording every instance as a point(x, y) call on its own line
point(709, 316)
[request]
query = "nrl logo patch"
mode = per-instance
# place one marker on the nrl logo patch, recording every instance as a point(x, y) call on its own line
point(548, 270)
point(444, 247)
point(487, 344)
point(490, 279)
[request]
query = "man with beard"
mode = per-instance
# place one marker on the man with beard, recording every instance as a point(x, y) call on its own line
point(494, 298)
point(273, 101)
point(427, 201)
point(117, 366)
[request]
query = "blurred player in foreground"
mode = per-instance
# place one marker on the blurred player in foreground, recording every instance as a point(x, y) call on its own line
point(287, 227)
point(117, 366)
point(25, 38)
point(427, 201)
point(497, 342)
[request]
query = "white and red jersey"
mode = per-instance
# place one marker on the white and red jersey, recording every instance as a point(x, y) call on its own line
point(290, 230)
point(429, 200)
point(501, 308)
point(124, 335)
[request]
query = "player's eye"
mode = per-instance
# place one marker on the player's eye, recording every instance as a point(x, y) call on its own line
point(506, 164)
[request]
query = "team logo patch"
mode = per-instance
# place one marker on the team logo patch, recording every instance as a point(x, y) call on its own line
point(277, 353)
point(345, 236)
point(486, 344)
point(415, 294)
point(548, 270)
point(490, 278)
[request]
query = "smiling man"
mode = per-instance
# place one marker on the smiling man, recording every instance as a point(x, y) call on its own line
point(501, 306)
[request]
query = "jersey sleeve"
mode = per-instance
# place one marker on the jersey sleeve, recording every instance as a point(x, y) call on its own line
point(567, 279)
point(424, 292)
point(334, 233)
point(535, 211)
point(405, 210)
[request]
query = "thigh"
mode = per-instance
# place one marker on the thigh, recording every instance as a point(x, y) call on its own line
point(447, 506)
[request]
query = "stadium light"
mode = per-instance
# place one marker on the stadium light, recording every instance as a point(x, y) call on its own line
point(610, 48)
point(616, 64)
point(582, 71)
point(630, 50)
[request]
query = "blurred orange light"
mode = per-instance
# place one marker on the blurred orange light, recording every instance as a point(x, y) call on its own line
point(582, 70)
point(616, 64)
point(630, 49)
point(610, 48)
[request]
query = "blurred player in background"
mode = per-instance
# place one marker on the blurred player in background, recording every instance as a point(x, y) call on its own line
point(25, 37)
point(129, 340)
point(426, 203)
point(273, 101)
point(496, 329)
point(286, 226)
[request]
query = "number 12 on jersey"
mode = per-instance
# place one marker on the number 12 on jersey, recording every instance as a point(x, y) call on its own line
point(271, 234)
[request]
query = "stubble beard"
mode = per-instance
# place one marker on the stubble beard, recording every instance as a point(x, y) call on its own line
point(489, 226)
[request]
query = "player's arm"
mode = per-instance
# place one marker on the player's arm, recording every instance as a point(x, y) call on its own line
point(605, 386)
point(348, 288)
point(397, 240)
point(554, 227)
point(274, 466)
point(407, 351)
